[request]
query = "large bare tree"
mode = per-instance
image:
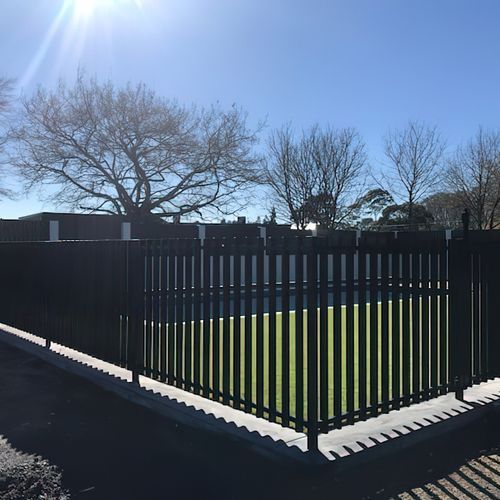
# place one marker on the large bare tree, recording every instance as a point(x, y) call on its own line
point(6, 98)
point(474, 175)
point(128, 151)
point(317, 176)
point(414, 155)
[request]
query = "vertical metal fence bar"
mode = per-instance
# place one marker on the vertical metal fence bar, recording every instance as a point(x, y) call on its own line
point(484, 291)
point(350, 353)
point(97, 341)
point(285, 333)
point(384, 345)
point(197, 361)
point(110, 298)
point(323, 334)
point(395, 326)
point(156, 323)
point(299, 335)
point(216, 255)
point(171, 312)
point(207, 300)
point(443, 319)
point(149, 306)
point(312, 346)
point(164, 311)
point(362, 335)
point(188, 314)
point(272, 332)
point(237, 329)
point(179, 315)
point(374, 334)
point(337, 338)
point(415, 324)
point(493, 312)
point(136, 295)
point(248, 380)
point(86, 300)
point(434, 283)
point(476, 375)
point(406, 257)
point(123, 303)
point(226, 324)
point(425, 355)
point(117, 288)
point(260, 327)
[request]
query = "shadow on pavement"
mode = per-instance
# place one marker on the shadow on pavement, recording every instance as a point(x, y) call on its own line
point(108, 448)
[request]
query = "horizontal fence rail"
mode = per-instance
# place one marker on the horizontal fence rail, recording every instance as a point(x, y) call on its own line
point(313, 333)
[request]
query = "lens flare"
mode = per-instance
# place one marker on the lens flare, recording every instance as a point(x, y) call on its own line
point(72, 23)
point(85, 9)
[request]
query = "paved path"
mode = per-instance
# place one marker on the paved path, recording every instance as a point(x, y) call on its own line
point(108, 448)
point(478, 477)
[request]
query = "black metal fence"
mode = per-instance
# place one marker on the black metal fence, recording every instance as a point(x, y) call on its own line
point(312, 333)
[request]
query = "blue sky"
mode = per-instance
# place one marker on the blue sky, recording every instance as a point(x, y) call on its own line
point(371, 64)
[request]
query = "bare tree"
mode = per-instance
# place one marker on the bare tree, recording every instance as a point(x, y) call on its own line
point(474, 174)
point(6, 87)
point(6, 98)
point(291, 179)
point(128, 151)
point(316, 177)
point(414, 154)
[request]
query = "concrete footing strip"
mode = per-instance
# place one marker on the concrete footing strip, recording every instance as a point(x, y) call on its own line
point(347, 447)
point(178, 405)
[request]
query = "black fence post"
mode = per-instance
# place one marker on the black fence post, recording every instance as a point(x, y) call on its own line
point(459, 269)
point(492, 337)
point(312, 345)
point(46, 288)
point(45, 284)
point(135, 292)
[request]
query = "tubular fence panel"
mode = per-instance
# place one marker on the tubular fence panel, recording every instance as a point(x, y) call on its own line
point(313, 333)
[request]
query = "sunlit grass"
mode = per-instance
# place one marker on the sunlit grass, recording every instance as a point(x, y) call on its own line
point(295, 354)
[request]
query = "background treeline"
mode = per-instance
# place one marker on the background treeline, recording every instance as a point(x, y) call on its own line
point(323, 176)
point(95, 147)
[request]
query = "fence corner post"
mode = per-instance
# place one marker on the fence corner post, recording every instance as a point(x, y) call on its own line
point(459, 276)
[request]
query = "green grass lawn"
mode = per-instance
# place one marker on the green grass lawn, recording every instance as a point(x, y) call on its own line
point(294, 353)
point(293, 359)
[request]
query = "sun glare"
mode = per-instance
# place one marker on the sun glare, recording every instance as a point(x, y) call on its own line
point(85, 9)
point(74, 19)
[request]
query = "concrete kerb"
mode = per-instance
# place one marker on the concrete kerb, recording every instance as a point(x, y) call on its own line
point(425, 434)
point(170, 408)
point(266, 438)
